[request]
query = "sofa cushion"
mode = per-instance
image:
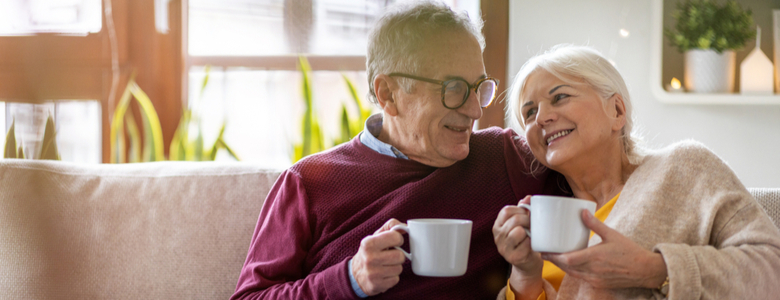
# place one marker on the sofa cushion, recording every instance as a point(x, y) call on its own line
point(769, 198)
point(164, 230)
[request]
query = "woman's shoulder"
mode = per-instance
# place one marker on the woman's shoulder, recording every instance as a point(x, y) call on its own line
point(688, 162)
point(686, 153)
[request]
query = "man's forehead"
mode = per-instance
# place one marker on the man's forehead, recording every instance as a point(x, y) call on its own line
point(454, 55)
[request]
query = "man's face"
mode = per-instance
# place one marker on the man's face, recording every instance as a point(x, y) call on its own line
point(427, 131)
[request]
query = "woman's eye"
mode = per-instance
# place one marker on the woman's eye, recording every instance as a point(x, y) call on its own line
point(530, 112)
point(558, 97)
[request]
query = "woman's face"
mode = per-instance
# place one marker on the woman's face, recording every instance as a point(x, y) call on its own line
point(566, 121)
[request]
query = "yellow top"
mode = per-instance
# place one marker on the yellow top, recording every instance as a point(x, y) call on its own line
point(551, 272)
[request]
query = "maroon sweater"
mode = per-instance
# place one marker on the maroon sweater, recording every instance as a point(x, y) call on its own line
point(318, 211)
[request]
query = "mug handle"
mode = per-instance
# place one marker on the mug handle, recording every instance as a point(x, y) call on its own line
point(527, 207)
point(404, 228)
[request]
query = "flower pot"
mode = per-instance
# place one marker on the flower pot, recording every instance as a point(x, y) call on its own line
point(707, 71)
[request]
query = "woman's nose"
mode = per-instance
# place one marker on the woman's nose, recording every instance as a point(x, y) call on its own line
point(545, 114)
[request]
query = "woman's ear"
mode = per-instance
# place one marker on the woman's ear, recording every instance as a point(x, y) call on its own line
point(384, 89)
point(618, 112)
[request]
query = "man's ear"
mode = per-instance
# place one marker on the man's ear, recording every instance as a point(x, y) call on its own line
point(384, 89)
point(617, 112)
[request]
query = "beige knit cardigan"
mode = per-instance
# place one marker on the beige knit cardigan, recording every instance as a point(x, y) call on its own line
point(684, 202)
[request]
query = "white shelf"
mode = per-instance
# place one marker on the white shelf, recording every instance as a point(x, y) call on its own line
point(689, 98)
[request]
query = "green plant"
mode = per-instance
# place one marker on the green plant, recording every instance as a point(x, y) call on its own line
point(48, 148)
point(313, 140)
point(184, 148)
point(351, 126)
point(152, 139)
point(181, 148)
point(703, 24)
point(313, 137)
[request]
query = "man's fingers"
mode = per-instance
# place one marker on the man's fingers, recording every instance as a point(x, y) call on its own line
point(526, 200)
point(389, 224)
point(383, 240)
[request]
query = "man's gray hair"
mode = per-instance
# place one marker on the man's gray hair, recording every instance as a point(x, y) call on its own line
point(397, 39)
point(589, 65)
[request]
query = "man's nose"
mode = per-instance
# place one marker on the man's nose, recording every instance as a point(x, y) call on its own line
point(471, 108)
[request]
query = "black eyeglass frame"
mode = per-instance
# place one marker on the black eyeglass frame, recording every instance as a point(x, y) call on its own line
point(444, 84)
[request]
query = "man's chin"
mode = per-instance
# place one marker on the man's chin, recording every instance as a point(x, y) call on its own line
point(458, 153)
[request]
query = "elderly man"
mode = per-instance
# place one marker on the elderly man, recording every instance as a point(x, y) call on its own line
point(324, 232)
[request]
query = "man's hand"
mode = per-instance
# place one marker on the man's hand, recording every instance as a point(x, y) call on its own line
point(617, 262)
point(377, 265)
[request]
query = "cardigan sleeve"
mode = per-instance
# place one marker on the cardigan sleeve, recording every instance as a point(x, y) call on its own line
point(274, 266)
point(740, 256)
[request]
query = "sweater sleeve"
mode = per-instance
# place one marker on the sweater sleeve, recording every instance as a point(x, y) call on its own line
point(274, 266)
point(741, 259)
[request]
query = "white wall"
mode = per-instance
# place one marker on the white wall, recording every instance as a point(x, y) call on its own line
point(746, 137)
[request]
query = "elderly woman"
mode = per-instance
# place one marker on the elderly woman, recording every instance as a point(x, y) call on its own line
point(677, 222)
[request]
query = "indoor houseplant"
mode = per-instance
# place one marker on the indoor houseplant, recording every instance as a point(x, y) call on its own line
point(708, 33)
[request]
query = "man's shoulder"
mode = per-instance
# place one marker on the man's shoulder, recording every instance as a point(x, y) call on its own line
point(331, 159)
point(494, 135)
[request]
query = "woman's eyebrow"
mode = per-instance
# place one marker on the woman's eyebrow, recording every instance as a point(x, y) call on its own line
point(527, 104)
point(557, 87)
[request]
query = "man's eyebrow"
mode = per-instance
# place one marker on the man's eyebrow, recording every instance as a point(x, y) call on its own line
point(556, 88)
point(483, 76)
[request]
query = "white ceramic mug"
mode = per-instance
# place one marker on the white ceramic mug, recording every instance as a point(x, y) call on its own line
point(439, 247)
point(556, 223)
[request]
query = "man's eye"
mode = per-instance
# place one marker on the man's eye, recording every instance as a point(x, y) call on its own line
point(456, 87)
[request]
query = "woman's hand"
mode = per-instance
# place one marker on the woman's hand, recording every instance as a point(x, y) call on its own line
point(617, 262)
point(515, 246)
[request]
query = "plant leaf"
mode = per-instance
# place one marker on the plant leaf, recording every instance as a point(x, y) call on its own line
point(20, 155)
point(346, 134)
point(230, 151)
point(207, 69)
point(213, 152)
point(153, 141)
point(10, 142)
point(49, 148)
point(178, 146)
point(117, 135)
point(135, 137)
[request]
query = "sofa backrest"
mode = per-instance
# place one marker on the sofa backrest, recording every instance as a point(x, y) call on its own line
point(165, 230)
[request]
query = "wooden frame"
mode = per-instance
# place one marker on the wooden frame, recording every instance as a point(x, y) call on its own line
point(40, 68)
point(496, 30)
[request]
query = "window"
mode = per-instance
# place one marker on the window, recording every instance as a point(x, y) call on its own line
point(254, 85)
point(52, 51)
point(76, 125)
point(28, 17)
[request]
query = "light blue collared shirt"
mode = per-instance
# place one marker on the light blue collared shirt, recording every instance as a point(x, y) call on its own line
point(373, 127)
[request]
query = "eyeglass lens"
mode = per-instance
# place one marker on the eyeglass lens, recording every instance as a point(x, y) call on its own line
point(456, 93)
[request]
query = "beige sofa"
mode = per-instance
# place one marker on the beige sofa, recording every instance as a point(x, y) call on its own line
point(168, 230)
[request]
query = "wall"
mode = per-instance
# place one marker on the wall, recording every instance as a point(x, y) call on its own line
point(746, 137)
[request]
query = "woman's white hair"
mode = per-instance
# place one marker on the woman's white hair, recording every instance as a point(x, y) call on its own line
point(587, 64)
point(396, 41)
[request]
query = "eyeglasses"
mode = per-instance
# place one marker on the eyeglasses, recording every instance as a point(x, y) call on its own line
point(455, 92)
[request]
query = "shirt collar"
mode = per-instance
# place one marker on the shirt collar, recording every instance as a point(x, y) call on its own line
point(373, 127)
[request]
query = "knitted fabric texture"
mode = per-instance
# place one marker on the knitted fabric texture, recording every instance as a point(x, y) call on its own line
point(352, 190)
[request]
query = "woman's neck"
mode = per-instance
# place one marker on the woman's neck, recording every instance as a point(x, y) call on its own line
point(600, 177)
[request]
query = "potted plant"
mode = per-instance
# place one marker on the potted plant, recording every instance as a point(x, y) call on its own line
point(708, 33)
